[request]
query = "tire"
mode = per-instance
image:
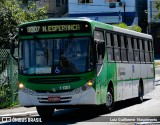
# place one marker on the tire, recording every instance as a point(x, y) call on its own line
point(140, 94)
point(110, 99)
point(45, 112)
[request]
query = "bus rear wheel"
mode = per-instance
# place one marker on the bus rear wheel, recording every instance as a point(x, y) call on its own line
point(45, 112)
point(140, 94)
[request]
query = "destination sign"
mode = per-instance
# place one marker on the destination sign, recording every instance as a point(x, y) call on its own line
point(53, 27)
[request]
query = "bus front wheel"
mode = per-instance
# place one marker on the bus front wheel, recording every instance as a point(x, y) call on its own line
point(45, 112)
point(110, 99)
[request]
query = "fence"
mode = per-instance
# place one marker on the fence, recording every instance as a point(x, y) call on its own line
point(8, 80)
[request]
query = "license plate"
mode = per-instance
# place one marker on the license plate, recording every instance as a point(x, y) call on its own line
point(54, 99)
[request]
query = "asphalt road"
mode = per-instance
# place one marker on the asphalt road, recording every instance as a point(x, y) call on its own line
point(124, 113)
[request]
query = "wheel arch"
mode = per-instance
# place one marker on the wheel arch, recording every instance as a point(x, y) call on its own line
point(110, 85)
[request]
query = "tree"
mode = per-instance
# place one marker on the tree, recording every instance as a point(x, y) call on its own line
point(133, 27)
point(13, 13)
point(157, 16)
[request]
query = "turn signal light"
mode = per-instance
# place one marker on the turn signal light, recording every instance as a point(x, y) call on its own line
point(90, 83)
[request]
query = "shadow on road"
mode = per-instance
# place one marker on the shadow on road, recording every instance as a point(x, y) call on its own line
point(127, 103)
point(92, 114)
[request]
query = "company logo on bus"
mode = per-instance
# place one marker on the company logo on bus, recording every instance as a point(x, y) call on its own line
point(121, 71)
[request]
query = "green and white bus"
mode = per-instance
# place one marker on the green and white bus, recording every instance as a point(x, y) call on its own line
point(65, 63)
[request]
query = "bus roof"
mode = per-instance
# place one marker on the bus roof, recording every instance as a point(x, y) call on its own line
point(95, 24)
point(121, 30)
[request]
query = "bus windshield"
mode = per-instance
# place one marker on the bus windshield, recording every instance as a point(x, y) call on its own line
point(56, 56)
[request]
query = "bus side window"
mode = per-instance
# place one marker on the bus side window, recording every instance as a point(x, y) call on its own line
point(141, 47)
point(116, 48)
point(147, 58)
point(109, 47)
point(129, 49)
point(136, 51)
point(151, 50)
point(123, 49)
point(99, 38)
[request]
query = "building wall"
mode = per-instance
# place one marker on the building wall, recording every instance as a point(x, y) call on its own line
point(154, 27)
point(56, 8)
point(98, 6)
point(152, 11)
point(141, 9)
point(100, 10)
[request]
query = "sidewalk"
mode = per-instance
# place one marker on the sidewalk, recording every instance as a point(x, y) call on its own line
point(16, 111)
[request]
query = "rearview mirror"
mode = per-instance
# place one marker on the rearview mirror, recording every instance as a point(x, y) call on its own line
point(14, 44)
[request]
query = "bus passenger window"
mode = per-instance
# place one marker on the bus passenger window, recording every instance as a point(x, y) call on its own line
point(151, 51)
point(123, 49)
point(141, 47)
point(116, 47)
point(129, 49)
point(147, 58)
point(136, 51)
point(98, 35)
point(109, 47)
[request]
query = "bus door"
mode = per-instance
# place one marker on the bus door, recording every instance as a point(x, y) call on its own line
point(143, 68)
point(101, 67)
point(125, 68)
point(136, 68)
point(149, 62)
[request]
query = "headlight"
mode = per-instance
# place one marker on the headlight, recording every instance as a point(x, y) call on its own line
point(31, 92)
point(25, 90)
point(21, 86)
point(28, 91)
point(78, 90)
point(88, 85)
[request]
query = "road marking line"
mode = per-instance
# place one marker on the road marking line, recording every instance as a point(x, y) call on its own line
point(17, 114)
point(147, 123)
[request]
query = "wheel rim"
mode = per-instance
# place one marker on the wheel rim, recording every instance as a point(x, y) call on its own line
point(109, 99)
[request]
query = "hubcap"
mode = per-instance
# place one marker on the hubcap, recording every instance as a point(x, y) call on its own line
point(109, 99)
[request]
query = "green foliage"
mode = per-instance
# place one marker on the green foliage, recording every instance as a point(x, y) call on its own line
point(134, 27)
point(13, 13)
point(157, 16)
point(121, 25)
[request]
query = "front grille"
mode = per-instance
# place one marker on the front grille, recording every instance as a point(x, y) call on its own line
point(59, 80)
point(62, 100)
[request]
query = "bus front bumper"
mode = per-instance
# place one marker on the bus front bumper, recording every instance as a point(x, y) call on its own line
point(87, 97)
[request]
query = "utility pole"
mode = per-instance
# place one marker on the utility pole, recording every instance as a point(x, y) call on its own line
point(124, 7)
point(119, 16)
